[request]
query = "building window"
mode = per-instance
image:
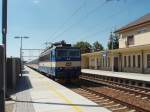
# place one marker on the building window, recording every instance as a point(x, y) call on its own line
point(148, 60)
point(129, 61)
point(130, 40)
point(125, 61)
point(139, 61)
point(133, 60)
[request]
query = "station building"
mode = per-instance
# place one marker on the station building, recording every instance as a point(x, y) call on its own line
point(133, 54)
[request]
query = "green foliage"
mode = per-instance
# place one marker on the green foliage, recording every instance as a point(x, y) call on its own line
point(113, 38)
point(97, 46)
point(85, 46)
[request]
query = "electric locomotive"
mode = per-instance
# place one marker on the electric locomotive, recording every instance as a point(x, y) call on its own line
point(61, 61)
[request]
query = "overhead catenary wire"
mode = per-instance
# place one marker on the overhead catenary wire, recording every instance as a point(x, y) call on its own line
point(99, 31)
point(106, 19)
point(80, 20)
point(68, 19)
point(84, 18)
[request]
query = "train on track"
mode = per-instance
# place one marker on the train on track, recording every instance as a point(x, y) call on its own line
point(60, 61)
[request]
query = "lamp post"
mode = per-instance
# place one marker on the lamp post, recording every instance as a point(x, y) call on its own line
point(21, 38)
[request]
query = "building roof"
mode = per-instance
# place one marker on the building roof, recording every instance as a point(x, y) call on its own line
point(141, 20)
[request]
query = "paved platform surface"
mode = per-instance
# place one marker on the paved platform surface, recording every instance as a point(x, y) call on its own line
point(134, 76)
point(37, 93)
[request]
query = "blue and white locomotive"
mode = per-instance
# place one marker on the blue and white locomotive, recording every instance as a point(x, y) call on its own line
point(61, 61)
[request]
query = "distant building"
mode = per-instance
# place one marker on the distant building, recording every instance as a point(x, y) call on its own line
point(133, 54)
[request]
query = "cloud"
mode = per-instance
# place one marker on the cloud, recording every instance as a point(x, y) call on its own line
point(36, 1)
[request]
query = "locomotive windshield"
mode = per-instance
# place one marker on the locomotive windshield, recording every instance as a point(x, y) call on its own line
point(74, 53)
point(68, 53)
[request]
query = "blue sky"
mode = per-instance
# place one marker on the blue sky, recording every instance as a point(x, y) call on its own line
point(52, 20)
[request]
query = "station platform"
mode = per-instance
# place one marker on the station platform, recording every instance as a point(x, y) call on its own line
point(37, 93)
point(125, 75)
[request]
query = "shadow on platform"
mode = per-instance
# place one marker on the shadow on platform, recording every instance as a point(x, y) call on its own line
point(23, 84)
point(65, 104)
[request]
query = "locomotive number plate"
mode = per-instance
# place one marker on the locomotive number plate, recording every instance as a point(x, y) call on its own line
point(68, 63)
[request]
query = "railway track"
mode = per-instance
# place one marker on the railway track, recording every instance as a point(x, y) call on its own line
point(102, 100)
point(143, 93)
point(111, 98)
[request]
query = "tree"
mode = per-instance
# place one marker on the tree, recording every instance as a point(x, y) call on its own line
point(113, 39)
point(85, 46)
point(97, 46)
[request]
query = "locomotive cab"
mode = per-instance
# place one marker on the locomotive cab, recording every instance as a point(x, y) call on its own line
point(68, 63)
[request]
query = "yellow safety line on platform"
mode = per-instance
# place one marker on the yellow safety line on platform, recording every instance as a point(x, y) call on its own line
point(62, 96)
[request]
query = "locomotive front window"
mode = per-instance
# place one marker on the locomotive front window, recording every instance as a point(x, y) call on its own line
point(74, 53)
point(68, 53)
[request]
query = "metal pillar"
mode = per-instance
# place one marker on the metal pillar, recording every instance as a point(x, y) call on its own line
point(3, 62)
point(112, 46)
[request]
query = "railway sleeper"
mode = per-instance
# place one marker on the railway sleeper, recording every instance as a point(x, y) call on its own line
point(119, 107)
